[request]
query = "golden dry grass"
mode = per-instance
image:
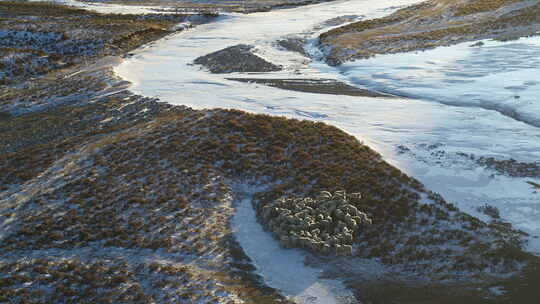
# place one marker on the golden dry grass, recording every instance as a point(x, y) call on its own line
point(163, 185)
point(103, 35)
point(428, 25)
point(160, 184)
point(478, 6)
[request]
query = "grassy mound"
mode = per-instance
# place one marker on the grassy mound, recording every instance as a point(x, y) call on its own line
point(150, 195)
point(38, 37)
point(431, 24)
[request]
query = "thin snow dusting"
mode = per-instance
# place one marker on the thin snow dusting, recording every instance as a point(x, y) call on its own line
point(502, 70)
point(110, 8)
point(458, 89)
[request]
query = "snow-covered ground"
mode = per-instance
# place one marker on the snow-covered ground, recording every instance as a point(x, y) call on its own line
point(468, 75)
point(494, 75)
point(284, 269)
point(110, 8)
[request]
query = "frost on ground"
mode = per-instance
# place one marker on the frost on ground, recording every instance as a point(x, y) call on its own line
point(467, 179)
point(117, 198)
point(84, 218)
point(36, 38)
point(142, 209)
point(431, 24)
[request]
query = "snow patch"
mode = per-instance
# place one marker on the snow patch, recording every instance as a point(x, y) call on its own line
point(284, 269)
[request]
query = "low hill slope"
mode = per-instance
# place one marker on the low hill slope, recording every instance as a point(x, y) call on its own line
point(39, 37)
point(430, 24)
point(140, 211)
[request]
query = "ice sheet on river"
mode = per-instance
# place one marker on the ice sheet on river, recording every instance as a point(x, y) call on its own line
point(165, 70)
point(501, 76)
point(107, 8)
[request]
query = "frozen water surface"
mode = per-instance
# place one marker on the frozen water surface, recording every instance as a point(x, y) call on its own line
point(467, 100)
point(501, 76)
point(108, 8)
point(472, 100)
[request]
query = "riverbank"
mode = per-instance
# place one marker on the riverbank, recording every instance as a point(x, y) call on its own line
point(38, 37)
point(236, 6)
point(115, 192)
point(431, 24)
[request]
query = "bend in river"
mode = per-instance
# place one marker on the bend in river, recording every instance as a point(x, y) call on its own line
point(471, 104)
point(435, 142)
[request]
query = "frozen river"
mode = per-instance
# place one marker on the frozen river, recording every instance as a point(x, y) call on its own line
point(464, 100)
point(477, 101)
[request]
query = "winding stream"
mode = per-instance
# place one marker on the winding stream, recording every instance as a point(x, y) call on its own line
point(426, 137)
point(477, 101)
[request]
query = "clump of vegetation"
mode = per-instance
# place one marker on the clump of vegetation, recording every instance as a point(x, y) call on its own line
point(489, 210)
point(510, 167)
point(325, 224)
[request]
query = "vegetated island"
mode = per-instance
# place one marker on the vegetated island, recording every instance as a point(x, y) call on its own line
point(242, 59)
point(431, 24)
point(113, 197)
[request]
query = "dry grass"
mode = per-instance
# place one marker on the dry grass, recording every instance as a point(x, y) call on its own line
point(137, 209)
point(127, 198)
point(49, 9)
point(162, 186)
point(478, 6)
point(430, 24)
point(84, 36)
